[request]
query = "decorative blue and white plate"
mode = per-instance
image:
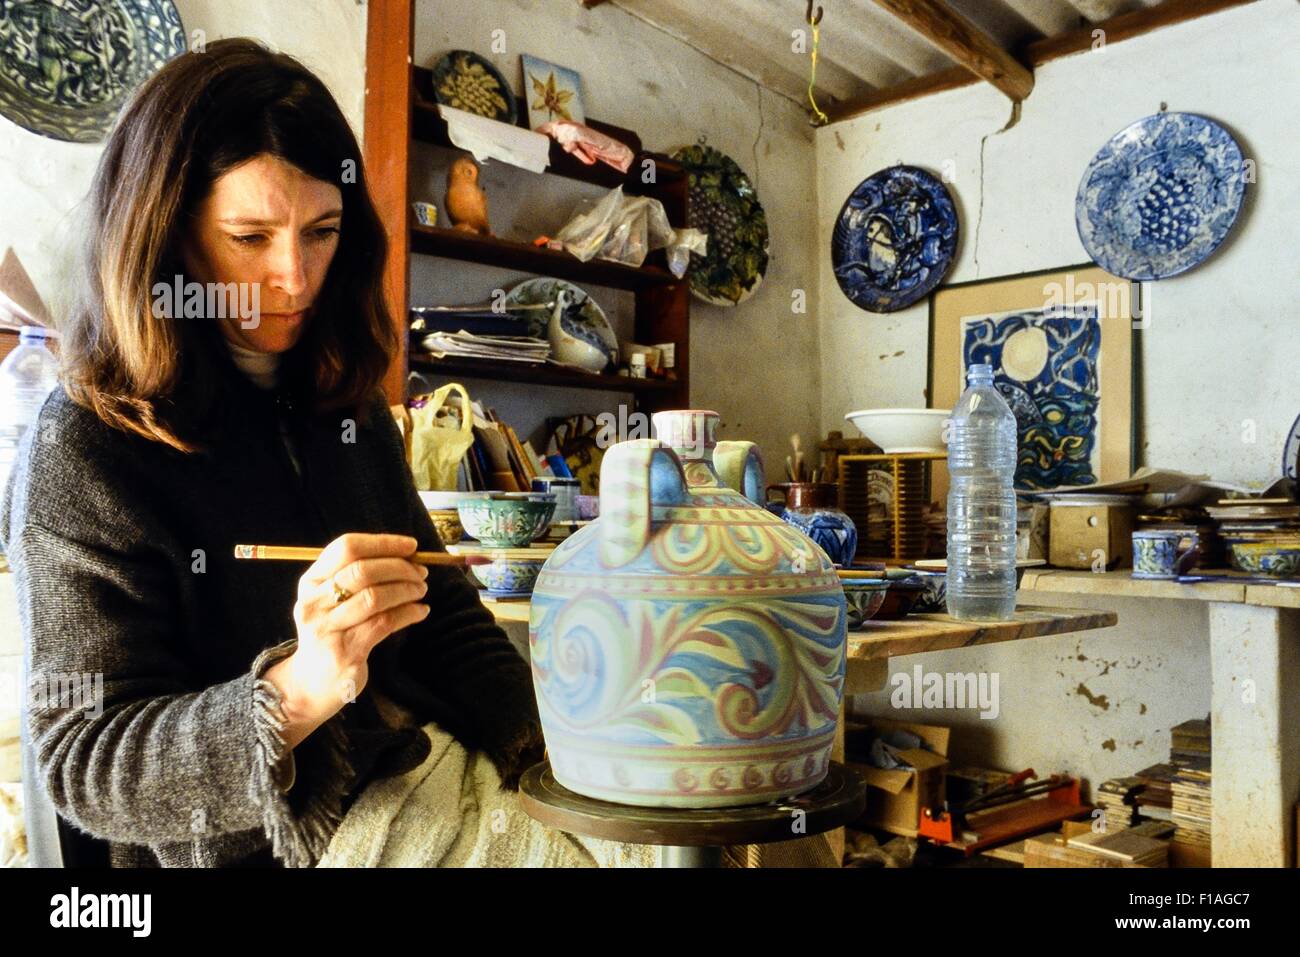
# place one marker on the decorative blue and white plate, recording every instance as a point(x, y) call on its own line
point(894, 239)
point(1161, 196)
point(1291, 452)
point(67, 66)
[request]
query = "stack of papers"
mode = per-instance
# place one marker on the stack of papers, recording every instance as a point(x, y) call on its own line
point(508, 348)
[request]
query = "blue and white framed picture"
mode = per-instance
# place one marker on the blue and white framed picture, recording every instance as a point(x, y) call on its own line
point(894, 239)
point(1060, 344)
point(1160, 197)
point(553, 92)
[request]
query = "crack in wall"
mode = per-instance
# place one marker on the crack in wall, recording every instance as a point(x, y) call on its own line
point(979, 216)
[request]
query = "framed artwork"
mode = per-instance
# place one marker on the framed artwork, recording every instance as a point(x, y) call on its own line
point(553, 92)
point(1061, 347)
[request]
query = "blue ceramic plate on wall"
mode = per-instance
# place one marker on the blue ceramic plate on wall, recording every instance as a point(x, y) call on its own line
point(1291, 452)
point(894, 239)
point(1161, 196)
point(67, 66)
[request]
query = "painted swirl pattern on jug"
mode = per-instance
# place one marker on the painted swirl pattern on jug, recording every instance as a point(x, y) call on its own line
point(690, 653)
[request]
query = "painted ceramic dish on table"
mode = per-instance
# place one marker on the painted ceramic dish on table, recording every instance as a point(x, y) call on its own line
point(1160, 196)
point(894, 239)
point(511, 572)
point(466, 81)
point(447, 522)
point(724, 204)
point(863, 596)
point(1279, 559)
point(507, 519)
point(67, 68)
point(688, 647)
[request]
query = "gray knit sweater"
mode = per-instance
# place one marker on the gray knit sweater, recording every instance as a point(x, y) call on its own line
point(122, 550)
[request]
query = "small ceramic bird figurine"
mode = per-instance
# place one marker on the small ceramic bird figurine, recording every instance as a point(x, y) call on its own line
point(466, 203)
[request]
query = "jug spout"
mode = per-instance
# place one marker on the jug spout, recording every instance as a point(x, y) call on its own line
point(691, 433)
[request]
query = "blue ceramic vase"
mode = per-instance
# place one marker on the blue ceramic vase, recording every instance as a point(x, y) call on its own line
point(812, 507)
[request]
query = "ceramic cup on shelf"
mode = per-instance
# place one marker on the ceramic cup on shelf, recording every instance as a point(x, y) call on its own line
point(1161, 553)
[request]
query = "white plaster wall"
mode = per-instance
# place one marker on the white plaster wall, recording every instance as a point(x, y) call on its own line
point(756, 364)
point(43, 181)
point(1222, 347)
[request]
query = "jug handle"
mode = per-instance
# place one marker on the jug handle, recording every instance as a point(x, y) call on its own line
point(740, 466)
point(634, 476)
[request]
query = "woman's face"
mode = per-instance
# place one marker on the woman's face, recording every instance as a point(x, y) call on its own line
point(266, 223)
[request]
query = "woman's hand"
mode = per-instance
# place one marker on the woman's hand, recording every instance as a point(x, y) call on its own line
point(380, 591)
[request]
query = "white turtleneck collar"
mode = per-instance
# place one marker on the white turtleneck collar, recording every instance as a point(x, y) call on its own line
point(259, 366)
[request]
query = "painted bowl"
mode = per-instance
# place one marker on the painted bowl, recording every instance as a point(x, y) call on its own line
point(1279, 559)
point(508, 575)
point(863, 598)
point(447, 522)
point(935, 596)
point(901, 598)
point(898, 431)
point(508, 519)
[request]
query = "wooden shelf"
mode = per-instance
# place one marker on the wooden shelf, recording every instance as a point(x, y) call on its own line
point(428, 126)
point(537, 374)
point(1122, 584)
point(400, 113)
point(494, 251)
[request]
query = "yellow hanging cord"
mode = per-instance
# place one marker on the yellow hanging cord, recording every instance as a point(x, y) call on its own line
point(819, 118)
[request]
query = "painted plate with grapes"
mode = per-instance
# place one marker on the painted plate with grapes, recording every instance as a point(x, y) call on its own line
point(724, 204)
point(465, 81)
point(1160, 196)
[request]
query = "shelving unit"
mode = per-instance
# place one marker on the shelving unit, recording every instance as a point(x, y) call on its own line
point(400, 111)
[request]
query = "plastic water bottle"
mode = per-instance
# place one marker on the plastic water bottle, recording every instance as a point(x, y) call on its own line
point(26, 377)
point(982, 503)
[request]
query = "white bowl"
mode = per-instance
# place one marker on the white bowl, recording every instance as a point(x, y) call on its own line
point(898, 431)
point(440, 501)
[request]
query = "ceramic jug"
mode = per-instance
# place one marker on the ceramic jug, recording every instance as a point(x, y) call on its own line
point(688, 647)
point(812, 507)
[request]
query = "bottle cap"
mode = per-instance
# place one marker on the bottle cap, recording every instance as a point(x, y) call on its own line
point(981, 370)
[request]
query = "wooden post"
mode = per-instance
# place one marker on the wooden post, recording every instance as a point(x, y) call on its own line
point(387, 149)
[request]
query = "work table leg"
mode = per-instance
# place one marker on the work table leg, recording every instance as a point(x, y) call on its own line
point(1255, 734)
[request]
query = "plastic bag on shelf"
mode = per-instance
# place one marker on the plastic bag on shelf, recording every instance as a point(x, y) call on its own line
point(625, 229)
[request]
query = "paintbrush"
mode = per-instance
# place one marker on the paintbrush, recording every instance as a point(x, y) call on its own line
point(294, 553)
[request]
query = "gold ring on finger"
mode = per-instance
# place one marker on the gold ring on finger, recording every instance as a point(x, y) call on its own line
point(341, 594)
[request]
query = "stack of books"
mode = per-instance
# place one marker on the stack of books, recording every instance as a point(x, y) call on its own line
point(1118, 797)
point(1129, 846)
point(1189, 753)
point(1192, 806)
point(1155, 800)
point(497, 460)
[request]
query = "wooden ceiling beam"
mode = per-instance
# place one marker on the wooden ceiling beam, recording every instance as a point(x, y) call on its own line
point(966, 43)
point(1126, 26)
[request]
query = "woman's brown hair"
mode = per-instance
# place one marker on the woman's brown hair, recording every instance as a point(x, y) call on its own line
point(201, 115)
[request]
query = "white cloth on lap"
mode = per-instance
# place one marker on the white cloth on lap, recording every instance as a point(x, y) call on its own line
point(451, 812)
